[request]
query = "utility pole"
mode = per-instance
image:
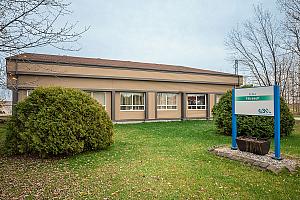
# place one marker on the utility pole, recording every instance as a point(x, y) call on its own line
point(236, 70)
point(236, 67)
point(275, 75)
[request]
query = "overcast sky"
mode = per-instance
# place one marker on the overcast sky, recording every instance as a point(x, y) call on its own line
point(179, 32)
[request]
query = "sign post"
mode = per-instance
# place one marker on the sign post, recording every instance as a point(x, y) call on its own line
point(277, 122)
point(233, 121)
point(261, 101)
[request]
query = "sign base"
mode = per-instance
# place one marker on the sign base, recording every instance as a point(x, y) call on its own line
point(263, 101)
point(280, 158)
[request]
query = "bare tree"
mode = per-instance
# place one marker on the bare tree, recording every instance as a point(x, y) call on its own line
point(256, 44)
point(291, 25)
point(26, 24)
point(34, 23)
point(291, 10)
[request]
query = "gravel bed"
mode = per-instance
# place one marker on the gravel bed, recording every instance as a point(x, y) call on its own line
point(265, 162)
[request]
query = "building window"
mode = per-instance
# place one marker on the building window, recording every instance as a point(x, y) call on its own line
point(218, 97)
point(166, 101)
point(196, 101)
point(28, 92)
point(132, 101)
point(99, 96)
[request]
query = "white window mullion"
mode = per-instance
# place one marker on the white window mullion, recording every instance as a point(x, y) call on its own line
point(167, 98)
point(166, 106)
point(133, 106)
point(28, 92)
point(197, 105)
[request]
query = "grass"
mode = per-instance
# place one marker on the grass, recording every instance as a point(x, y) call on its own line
point(291, 145)
point(149, 161)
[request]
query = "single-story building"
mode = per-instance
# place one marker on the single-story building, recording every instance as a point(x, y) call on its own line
point(129, 91)
point(5, 108)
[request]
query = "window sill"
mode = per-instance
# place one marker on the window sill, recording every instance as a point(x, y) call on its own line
point(167, 109)
point(132, 110)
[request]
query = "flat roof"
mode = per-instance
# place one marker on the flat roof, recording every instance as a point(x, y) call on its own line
point(61, 59)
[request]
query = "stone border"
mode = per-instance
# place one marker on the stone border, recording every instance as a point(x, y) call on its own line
point(265, 162)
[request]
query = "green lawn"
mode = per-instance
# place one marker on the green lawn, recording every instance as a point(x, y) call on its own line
point(148, 161)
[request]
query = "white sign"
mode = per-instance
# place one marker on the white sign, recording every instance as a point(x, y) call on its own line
point(255, 101)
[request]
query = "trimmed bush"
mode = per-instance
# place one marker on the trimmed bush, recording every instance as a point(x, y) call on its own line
point(255, 126)
point(55, 121)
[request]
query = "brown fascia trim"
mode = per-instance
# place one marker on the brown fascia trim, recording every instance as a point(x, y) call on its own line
point(122, 68)
point(122, 78)
point(127, 90)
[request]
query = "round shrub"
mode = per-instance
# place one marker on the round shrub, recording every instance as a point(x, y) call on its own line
point(255, 126)
point(55, 120)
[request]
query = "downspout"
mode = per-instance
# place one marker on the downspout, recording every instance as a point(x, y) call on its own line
point(207, 106)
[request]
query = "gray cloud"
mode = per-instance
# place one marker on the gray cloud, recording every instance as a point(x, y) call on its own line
point(180, 32)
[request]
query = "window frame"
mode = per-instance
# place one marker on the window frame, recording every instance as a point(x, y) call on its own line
point(92, 95)
point(28, 92)
point(132, 105)
point(159, 107)
point(218, 97)
point(196, 95)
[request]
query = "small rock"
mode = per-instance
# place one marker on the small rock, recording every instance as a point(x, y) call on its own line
point(264, 165)
point(291, 168)
point(260, 164)
point(274, 169)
